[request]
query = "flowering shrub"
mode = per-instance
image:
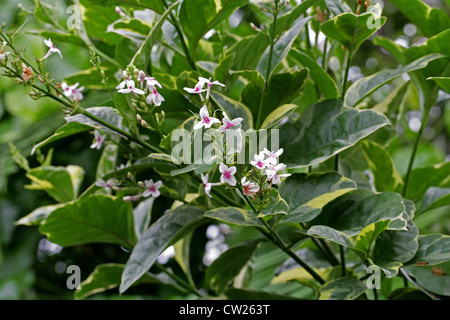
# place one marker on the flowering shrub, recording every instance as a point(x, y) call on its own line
point(260, 131)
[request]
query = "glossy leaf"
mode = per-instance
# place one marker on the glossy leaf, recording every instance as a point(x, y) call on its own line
point(433, 278)
point(165, 231)
point(386, 176)
point(251, 75)
point(443, 82)
point(435, 198)
point(107, 162)
point(37, 216)
point(236, 216)
point(365, 86)
point(234, 109)
point(325, 129)
point(280, 49)
point(368, 236)
point(306, 195)
point(98, 218)
point(278, 115)
point(350, 29)
point(225, 268)
point(322, 79)
point(433, 249)
point(277, 205)
point(426, 177)
point(357, 209)
point(142, 216)
point(196, 23)
point(337, 6)
point(332, 235)
point(348, 288)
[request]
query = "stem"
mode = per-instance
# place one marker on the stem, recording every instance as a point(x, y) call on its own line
point(344, 271)
point(419, 134)
point(325, 48)
point(347, 70)
point(118, 130)
point(181, 36)
point(325, 248)
point(180, 281)
point(269, 65)
point(275, 238)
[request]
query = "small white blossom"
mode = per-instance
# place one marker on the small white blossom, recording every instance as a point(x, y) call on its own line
point(154, 97)
point(249, 188)
point(152, 189)
point(128, 86)
point(272, 157)
point(72, 92)
point(260, 161)
point(3, 54)
point(205, 120)
point(209, 85)
point(52, 49)
point(108, 185)
point(132, 198)
point(272, 173)
point(198, 89)
point(227, 174)
point(152, 83)
point(99, 140)
point(227, 123)
point(208, 186)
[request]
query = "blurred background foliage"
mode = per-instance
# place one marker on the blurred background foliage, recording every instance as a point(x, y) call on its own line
point(33, 268)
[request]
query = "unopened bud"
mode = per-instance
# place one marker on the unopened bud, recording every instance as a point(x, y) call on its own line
point(141, 184)
point(145, 124)
point(130, 176)
point(119, 11)
point(138, 117)
point(252, 25)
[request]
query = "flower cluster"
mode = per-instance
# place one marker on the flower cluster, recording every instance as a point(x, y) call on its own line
point(148, 85)
point(267, 162)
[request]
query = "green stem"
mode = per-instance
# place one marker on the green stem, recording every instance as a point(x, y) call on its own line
point(178, 280)
point(347, 71)
point(324, 58)
point(269, 66)
point(275, 238)
point(173, 20)
point(343, 267)
point(419, 134)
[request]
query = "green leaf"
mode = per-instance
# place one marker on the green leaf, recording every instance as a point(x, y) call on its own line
point(350, 29)
point(443, 82)
point(95, 20)
point(165, 231)
point(325, 129)
point(408, 294)
point(307, 194)
point(321, 78)
point(397, 246)
point(248, 294)
point(61, 183)
point(155, 5)
point(93, 219)
point(37, 216)
point(435, 198)
point(368, 236)
point(133, 29)
point(423, 178)
point(107, 162)
point(107, 276)
point(366, 86)
point(90, 78)
point(107, 114)
point(236, 216)
point(430, 20)
point(278, 115)
point(355, 210)
point(142, 57)
point(337, 6)
point(234, 109)
point(182, 256)
point(433, 278)
point(433, 249)
point(394, 49)
point(332, 235)
point(277, 205)
point(66, 130)
point(386, 176)
point(197, 20)
point(60, 37)
point(281, 48)
point(142, 216)
point(251, 75)
point(225, 268)
point(348, 288)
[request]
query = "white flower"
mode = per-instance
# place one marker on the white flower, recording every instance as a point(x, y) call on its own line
point(152, 188)
point(259, 162)
point(198, 89)
point(152, 83)
point(119, 11)
point(227, 123)
point(209, 85)
point(205, 119)
point(227, 174)
point(249, 188)
point(3, 54)
point(208, 186)
point(52, 49)
point(132, 198)
point(272, 173)
point(99, 139)
point(72, 92)
point(272, 156)
point(154, 97)
point(128, 86)
point(141, 77)
point(107, 184)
